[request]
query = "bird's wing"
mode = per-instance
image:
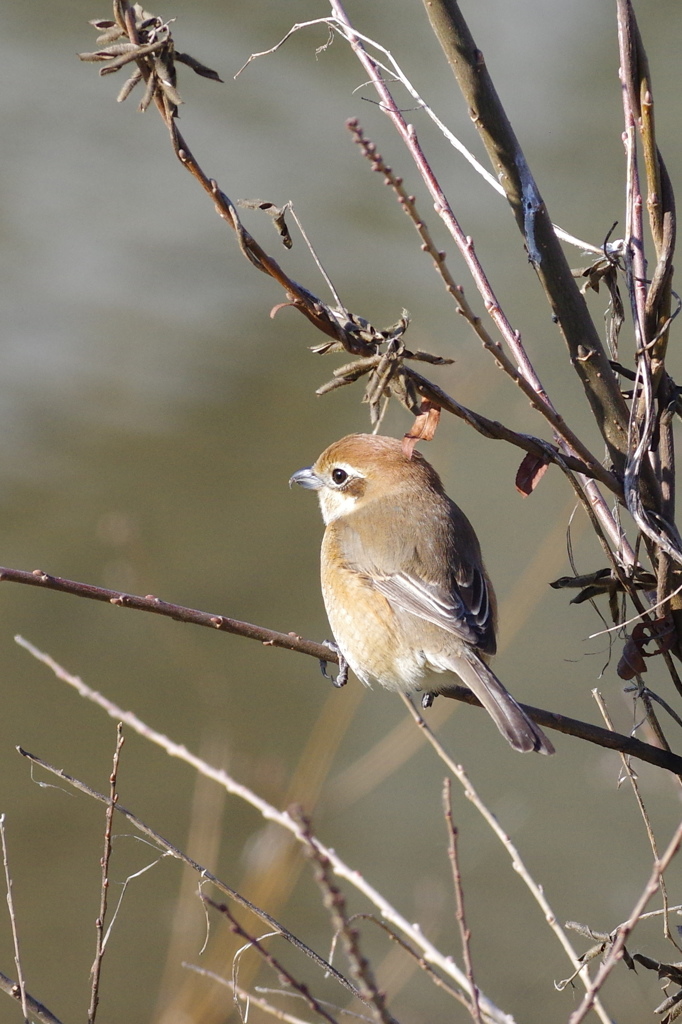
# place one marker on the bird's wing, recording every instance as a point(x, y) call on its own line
point(435, 604)
point(455, 593)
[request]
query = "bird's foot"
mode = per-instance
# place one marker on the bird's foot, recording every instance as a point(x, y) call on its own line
point(428, 699)
point(341, 678)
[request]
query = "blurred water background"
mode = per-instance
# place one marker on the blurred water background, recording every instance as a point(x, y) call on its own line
point(151, 414)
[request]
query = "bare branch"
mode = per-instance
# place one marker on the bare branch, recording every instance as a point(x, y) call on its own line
point(268, 637)
point(284, 975)
point(536, 890)
point(616, 952)
point(632, 776)
point(335, 902)
point(570, 726)
point(430, 952)
point(464, 930)
point(96, 969)
point(37, 1010)
point(568, 304)
point(21, 994)
point(174, 851)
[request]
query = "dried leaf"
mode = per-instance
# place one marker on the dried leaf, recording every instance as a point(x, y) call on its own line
point(428, 357)
point(530, 473)
point(423, 428)
point(277, 213)
point(603, 581)
point(632, 660)
point(198, 67)
point(319, 350)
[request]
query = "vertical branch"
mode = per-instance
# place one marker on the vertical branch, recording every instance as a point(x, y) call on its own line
point(13, 921)
point(651, 300)
point(464, 930)
point(586, 350)
point(96, 969)
point(638, 88)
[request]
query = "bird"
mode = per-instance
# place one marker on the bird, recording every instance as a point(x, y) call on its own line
point(406, 593)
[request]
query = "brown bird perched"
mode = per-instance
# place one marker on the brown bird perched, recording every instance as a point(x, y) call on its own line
point(407, 596)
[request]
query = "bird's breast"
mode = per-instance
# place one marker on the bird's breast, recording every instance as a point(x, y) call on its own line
point(369, 633)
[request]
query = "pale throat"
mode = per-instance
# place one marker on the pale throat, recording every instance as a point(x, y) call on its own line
point(335, 504)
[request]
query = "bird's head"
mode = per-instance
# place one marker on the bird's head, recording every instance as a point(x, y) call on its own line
point(364, 468)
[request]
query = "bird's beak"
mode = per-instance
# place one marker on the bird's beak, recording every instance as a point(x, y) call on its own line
point(307, 478)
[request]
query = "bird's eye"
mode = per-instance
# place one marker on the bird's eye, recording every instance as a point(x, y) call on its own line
point(339, 476)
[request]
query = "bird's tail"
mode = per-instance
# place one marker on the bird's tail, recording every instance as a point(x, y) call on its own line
point(509, 717)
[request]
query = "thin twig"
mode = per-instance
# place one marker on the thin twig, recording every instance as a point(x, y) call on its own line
point(641, 616)
point(393, 69)
point(335, 902)
point(40, 1012)
point(421, 963)
point(178, 854)
point(464, 930)
point(616, 952)
point(319, 313)
point(249, 998)
point(527, 442)
point(601, 704)
point(13, 921)
point(284, 975)
point(536, 890)
point(430, 952)
point(268, 637)
point(96, 969)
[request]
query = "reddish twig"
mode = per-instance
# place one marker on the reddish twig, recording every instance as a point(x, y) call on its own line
point(268, 637)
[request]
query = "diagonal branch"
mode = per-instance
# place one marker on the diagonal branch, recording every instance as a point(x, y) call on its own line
point(282, 818)
point(40, 1012)
point(617, 950)
point(203, 872)
point(568, 304)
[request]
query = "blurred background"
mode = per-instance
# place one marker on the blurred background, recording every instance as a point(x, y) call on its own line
point(152, 413)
